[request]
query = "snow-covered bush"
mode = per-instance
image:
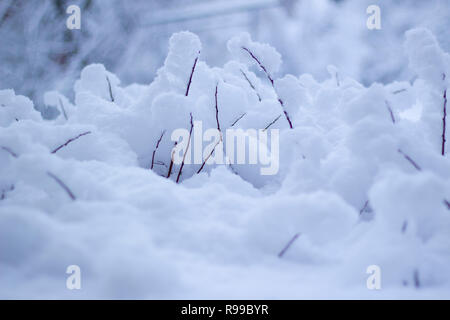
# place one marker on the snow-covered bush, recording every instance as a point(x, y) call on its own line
point(363, 179)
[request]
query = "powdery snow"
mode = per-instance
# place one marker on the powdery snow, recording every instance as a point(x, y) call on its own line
point(360, 181)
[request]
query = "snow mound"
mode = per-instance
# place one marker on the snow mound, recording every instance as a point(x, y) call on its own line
point(361, 177)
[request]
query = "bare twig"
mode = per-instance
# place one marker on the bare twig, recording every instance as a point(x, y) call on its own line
point(190, 77)
point(12, 153)
point(156, 148)
point(110, 89)
point(250, 83)
point(410, 160)
point(288, 245)
point(217, 109)
point(260, 64)
point(388, 106)
point(286, 114)
point(62, 185)
point(398, 91)
point(233, 170)
point(187, 148)
point(270, 124)
point(271, 81)
point(218, 128)
point(171, 163)
point(418, 168)
point(240, 117)
point(218, 142)
point(4, 191)
point(365, 208)
point(444, 122)
point(209, 155)
point(447, 203)
point(63, 109)
point(70, 140)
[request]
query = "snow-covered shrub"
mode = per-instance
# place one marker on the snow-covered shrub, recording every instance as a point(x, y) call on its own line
point(363, 174)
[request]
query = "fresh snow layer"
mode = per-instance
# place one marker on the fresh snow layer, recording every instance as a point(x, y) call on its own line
point(361, 180)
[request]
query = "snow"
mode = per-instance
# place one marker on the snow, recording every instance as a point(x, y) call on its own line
point(426, 57)
point(254, 53)
point(359, 182)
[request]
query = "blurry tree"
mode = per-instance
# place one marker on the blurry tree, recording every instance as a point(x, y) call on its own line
point(38, 53)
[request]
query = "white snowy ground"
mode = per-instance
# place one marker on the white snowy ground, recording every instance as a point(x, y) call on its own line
point(362, 180)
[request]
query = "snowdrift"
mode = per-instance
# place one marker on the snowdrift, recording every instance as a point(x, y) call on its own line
point(364, 179)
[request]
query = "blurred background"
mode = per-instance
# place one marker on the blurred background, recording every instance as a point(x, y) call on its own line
point(38, 53)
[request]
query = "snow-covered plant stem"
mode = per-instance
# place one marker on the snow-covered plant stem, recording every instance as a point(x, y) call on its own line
point(8, 150)
point(63, 110)
point(62, 185)
point(365, 208)
point(217, 108)
point(447, 203)
point(111, 96)
point(156, 148)
point(251, 84)
point(271, 81)
point(69, 141)
point(415, 165)
point(272, 122)
point(288, 245)
point(391, 113)
point(218, 128)
point(5, 191)
point(190, 77)
point(444, 124)
point(418, 168)
point(187, 149)
point(171, 162)
point(239, 118)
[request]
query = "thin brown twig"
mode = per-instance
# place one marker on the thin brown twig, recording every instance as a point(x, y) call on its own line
point(286, 114)
point(110, 89)
point(288, 245)
point(388, 106)
point(260, 64)
point(62, 185)
point(444, 124)
point(12, 153)
point(218, 128)
point(418, 168)
point(410, 160)
point(398, 91)
point(156, 148)
point(5, 191)
point(70, 140)
point(240, 117)
point(271, 81)
point(447, 203)
point(250, 83)
point(209, 155)
point(192, 74)
point(365, 208)
point(217, 109)
point(186, 151)
point(171, 163)
point(270, 124)
point(63, 109)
